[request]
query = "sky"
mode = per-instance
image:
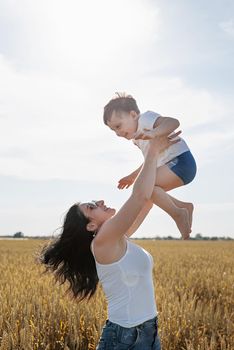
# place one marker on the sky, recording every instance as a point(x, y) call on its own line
point(61, 62)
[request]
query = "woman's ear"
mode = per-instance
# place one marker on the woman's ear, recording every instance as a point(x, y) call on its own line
point(91, 226)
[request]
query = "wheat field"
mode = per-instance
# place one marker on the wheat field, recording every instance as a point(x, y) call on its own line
point(194, 287)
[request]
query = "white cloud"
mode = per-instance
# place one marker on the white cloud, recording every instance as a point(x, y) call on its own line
point(228, 27)
point(80, 40)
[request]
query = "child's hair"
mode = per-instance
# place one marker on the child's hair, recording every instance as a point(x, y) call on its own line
point(120, 103)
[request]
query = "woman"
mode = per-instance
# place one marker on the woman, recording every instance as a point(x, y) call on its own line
point(94, 246)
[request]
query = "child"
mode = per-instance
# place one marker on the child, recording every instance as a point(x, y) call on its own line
point(176, 166)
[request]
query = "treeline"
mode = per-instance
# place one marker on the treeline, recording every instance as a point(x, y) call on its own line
point(198, 237)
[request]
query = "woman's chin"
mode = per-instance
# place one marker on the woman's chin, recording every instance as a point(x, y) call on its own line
point(112, 211)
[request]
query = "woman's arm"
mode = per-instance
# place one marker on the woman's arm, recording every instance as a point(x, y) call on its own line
point(116, 227)
point(140, 218)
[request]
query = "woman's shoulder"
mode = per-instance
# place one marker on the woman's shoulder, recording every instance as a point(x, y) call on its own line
point(108, 252)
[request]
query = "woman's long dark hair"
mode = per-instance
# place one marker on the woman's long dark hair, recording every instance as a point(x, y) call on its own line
point(70, 258)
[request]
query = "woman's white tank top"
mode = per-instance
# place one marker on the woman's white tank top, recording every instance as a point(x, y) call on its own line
point(128, 286)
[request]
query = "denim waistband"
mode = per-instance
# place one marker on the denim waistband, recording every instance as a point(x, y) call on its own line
point(139, 337)
point(153, 321)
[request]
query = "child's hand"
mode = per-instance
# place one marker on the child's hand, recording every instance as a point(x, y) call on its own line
point(126, 182)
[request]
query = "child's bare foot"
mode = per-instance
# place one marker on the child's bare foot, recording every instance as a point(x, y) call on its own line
point(182, 221)
point(190, 207)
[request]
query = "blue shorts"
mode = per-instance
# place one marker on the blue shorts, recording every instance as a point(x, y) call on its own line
point(183, 166)
point(142, 337)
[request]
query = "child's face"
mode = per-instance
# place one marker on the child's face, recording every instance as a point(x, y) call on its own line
point(124, 124)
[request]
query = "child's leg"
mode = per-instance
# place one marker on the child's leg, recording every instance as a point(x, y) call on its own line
point(178, 214)
point(180, 211)
point(167, 180)
point(187, 205)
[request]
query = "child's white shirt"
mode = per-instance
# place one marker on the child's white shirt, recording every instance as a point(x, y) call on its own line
point(146, 121)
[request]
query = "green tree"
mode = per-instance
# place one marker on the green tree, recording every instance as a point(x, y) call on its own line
point(198, 236)
point(18, 235)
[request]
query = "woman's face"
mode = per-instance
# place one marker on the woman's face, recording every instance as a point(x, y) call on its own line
point(97, 211)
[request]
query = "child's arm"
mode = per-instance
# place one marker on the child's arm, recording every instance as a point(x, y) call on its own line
point(127, 181)
point(162, 126)
point(165, 126)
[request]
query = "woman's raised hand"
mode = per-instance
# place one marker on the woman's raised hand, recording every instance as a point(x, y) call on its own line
point(160, 143)
point(146, 134)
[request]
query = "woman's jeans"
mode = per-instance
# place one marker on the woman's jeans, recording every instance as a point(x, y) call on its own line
point(142, 337)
